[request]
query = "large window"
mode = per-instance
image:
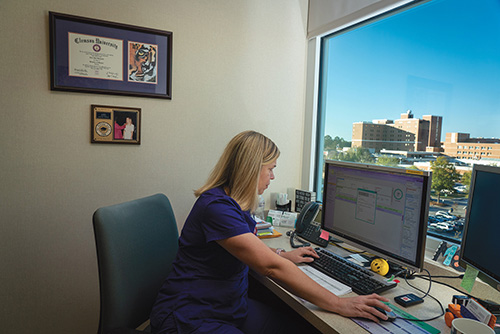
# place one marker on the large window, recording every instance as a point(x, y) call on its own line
point(418, 88)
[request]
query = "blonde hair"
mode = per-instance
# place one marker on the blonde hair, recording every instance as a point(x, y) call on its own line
point(238, 169)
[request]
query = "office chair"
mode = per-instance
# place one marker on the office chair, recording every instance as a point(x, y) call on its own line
point(136, 244)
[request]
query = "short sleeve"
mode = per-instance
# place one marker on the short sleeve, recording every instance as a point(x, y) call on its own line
point(224, 219)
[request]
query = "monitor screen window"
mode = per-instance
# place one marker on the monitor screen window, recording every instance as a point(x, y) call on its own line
point(382, 210)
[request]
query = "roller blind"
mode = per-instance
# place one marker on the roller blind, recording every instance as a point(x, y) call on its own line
point(329, 15)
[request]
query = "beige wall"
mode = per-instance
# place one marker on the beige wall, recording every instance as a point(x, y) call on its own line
point(237, 64)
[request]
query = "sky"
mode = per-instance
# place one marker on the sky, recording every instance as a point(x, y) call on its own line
point(441, 58)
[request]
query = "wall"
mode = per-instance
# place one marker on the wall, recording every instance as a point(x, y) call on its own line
point(237, 65)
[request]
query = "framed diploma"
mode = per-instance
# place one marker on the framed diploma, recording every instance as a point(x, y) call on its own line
point(95, 56)
point(115, 125)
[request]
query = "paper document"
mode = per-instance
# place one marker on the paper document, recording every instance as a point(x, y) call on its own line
point(326, 281)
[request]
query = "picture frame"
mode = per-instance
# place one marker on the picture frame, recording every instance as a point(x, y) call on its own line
point(115, 125)
point(95, 56)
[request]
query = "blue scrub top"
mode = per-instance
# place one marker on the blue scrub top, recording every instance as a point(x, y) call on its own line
point(207, 283)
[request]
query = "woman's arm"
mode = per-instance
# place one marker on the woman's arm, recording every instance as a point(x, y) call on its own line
point(252, 251)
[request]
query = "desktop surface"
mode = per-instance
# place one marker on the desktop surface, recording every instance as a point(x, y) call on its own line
point(328, 322)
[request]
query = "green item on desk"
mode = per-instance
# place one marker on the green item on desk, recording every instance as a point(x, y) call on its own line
point(421, 324)
point(469, 278)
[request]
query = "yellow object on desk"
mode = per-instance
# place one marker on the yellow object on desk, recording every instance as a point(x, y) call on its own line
point(268, 233)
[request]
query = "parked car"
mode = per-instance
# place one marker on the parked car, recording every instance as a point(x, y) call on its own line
point(433, 219)
point(443, 227)
point(446, 215)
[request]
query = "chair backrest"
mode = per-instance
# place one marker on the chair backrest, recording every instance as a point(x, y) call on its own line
point(136, 244)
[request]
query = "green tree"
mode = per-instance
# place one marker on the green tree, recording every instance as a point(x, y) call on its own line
point(329, 144)
point(335, 143)
point(357, 154)
point(466, 179)
point(387, 161)
point(444, 175)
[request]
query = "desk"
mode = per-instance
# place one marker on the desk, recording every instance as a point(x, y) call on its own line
point(328, 322)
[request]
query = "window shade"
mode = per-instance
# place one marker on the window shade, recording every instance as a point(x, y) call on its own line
point(329, 15)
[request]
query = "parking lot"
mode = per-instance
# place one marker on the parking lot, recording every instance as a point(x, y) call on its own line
point(447, 218)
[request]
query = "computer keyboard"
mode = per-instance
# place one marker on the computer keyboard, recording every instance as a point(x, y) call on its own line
point(361, 281)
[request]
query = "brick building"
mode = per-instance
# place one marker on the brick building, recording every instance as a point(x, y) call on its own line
point(462, 146)
point(404, 134)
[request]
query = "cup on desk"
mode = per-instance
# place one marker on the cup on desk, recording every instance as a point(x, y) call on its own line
point(469, 326)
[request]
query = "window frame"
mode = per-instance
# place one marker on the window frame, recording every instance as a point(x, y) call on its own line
point(313, 162)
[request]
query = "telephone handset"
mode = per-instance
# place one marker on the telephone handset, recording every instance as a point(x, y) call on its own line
point(307, 228)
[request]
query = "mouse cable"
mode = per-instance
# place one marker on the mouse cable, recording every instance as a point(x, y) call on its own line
point(425, 295)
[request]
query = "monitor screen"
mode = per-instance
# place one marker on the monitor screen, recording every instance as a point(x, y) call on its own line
point(481, 238)
point(382, 210)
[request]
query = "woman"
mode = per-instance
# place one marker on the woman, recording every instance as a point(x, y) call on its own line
point(128, 131)
point(206, 291)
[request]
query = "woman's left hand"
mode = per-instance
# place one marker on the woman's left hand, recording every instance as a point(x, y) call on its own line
point(300, 255)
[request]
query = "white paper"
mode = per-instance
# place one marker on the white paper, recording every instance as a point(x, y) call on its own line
point(326, 281)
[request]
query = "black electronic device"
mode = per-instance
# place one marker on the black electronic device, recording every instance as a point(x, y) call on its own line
point(306, 228)
point(480, 245)
point(378, 209)
point(361, 280)
point(408, 300)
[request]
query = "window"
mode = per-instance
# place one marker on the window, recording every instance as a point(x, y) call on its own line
point(430, 63)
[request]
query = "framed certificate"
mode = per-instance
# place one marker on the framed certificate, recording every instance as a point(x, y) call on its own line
point(95, 56)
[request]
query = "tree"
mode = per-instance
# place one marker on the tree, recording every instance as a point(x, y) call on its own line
point(329, 144)
point(335, 143)
point(444, 175)
point(357, 154)
point(466, 179)
point(387, 161)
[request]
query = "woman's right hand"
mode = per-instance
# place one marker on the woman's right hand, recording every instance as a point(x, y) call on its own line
point(363, 307)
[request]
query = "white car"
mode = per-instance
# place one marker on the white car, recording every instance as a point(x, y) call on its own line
point(445, 227)
point(460, 189)
point(445, 215)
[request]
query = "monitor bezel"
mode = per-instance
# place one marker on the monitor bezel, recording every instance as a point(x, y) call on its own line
point(484, 274)
point(418, 262)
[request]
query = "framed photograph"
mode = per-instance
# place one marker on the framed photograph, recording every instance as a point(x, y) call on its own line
point(115, 125)
point(95, 56)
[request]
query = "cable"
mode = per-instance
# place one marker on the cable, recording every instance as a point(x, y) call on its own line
point(480, 300)
point(448, 285)
point(442, 276)
point(425, 295)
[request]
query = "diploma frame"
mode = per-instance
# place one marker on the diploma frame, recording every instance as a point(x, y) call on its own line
point(115, 125)
point(95, 56)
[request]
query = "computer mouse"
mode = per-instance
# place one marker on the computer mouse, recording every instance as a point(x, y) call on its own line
point(391, 316)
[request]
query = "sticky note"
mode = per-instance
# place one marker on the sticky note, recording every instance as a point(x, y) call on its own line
point(469, 278)
point(325, 235)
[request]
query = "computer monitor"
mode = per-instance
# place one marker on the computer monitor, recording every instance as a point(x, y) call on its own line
point(381, 210)
point(481, 237)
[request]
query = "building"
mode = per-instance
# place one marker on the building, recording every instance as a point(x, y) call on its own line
point(404, 134)
point(462, 146)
